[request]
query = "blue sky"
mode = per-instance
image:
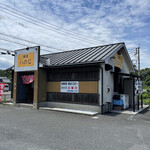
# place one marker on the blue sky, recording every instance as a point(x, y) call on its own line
point(101, 21)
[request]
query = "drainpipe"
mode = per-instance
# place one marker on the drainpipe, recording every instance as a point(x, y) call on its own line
point(102, 90)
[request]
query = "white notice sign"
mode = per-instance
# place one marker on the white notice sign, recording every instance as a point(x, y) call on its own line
point(69, 86)
point(138, 87)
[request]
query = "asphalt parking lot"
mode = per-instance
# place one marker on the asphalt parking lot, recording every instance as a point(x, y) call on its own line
point(29, 129)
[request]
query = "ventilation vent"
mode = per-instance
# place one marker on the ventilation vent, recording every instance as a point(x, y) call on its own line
point(48, 61)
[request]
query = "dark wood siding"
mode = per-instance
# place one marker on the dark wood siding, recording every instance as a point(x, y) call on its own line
point(89, 73)
point(76, 98)
point(81, 74)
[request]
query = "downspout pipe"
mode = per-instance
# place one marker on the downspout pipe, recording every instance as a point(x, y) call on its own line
point(102, 90)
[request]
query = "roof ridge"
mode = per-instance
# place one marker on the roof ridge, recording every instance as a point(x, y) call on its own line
point(82, 49)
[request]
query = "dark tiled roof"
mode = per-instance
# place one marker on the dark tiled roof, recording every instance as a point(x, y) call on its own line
point(81, 56)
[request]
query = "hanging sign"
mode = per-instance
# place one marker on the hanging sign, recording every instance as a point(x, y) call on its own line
point(27, 59)
point(118, 61)
point(27, 79)
point(69, 87)
point(2, 86)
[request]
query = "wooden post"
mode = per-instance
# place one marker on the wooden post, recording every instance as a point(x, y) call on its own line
point(35, 99)
point(36, 83)
point(15, 88)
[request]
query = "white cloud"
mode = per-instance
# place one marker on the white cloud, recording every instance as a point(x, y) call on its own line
point(104, 21)
point(6, 62)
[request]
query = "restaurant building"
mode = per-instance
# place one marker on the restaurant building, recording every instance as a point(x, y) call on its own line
point(88, 79)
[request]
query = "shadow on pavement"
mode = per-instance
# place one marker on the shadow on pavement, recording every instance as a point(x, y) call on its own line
point(145, 111)
point(111, 114)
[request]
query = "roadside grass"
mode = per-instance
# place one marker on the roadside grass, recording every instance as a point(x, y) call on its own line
point(146, 97)
point(1, 102)
point(146, 101)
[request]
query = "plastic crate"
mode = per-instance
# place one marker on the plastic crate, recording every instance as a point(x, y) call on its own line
point(118, 102)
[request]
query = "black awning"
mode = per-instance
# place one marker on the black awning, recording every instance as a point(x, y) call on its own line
point(126, 74)
point(108, 67)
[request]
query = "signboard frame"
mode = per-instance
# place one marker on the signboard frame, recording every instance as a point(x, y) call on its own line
point(138, 87)
point(69, 86)
point(24, 60)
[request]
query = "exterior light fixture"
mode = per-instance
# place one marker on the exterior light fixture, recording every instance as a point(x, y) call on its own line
point(113, 57)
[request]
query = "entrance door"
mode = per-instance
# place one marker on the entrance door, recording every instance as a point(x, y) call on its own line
point(128, 89)
point(24, 91)
point(29, 93)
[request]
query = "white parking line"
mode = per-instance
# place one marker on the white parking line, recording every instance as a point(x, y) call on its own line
point(95, 117)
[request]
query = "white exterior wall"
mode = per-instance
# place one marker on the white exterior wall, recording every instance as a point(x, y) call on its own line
point(125, 68)
point(108, 84)
point(100, 87)
point(108, 78)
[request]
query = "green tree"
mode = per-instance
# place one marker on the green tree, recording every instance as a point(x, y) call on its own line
point(4, 73)
point(147, 80)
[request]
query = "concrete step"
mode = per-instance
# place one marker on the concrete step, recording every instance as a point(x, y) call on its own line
point(90, 113)
point(24, 105)
point(8, 103)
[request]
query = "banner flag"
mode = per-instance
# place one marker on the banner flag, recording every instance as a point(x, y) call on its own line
point(27, 79)
point(2, 86)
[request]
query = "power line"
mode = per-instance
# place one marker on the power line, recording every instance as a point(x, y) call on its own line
point(29, 41)
point(6, 49)
point(41, 24)
point(9, 52)
point(5, 27)
point(57, 31)
point(22, 44)
point(40, 31)
point(47, 23)
point(11, 36)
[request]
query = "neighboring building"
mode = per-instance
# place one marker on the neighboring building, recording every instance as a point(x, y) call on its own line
point(7, 83)
point(84, 79)
point(5, 80)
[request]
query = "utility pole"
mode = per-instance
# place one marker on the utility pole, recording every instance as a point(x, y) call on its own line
point(138, 52)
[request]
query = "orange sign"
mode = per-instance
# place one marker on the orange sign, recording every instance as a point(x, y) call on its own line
point(25, 60)
point(118, 61)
